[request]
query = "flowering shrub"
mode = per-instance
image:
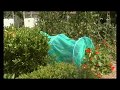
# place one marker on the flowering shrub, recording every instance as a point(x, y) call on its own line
point(98, 62)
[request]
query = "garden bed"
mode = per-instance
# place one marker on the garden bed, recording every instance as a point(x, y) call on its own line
point(113, 74)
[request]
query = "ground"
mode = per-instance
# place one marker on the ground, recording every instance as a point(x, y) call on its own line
point(113, 74)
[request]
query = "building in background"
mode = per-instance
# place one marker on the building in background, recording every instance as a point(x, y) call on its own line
point(20, 18)
point(30, 19)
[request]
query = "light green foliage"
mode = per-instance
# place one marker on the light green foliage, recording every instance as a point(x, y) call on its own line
point(24, 50)
point(58, 71)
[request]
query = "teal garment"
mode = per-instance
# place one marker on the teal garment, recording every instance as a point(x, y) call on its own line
point(68, 50)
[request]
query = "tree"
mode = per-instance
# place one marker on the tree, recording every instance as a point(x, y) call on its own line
point(8, 14)
point(18, 18)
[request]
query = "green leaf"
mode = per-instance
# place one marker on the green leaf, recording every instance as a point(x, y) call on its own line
point(99, 63)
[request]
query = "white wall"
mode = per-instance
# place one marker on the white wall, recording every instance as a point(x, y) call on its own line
point(30, 22)
point(8, 22)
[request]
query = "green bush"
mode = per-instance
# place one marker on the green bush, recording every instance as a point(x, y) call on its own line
point(58, 71)
point(24, 50)
point(9, 76)
point(77, 25)
point(80, 24)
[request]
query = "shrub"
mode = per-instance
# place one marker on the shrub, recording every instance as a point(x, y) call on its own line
point(78, 24)
point(24, 50)
point(98, 61)
point(58, 71)
point(9, 76)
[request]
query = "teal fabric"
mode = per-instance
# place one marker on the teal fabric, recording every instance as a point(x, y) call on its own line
point(66, 49)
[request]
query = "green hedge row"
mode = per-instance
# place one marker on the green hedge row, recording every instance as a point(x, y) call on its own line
point(59, 71)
